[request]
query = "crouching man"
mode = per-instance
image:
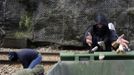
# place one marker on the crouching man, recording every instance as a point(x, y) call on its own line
point(28, 57)
point(102, 37)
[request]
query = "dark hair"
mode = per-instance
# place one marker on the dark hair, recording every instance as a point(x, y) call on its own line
point(12, 56)
point(101, 19)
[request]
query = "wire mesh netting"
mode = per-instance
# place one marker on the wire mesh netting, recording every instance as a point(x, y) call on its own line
point(64, 21)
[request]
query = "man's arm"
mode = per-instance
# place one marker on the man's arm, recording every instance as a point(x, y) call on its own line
point(89, 39)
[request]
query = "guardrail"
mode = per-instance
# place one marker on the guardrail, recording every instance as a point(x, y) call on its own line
point(84, 56)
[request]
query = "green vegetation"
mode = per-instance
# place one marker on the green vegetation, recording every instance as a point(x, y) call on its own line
point(25, 23)
point(25, 27)
point(20, 35)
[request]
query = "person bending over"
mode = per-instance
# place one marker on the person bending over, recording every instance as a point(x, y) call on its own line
point(28, 57)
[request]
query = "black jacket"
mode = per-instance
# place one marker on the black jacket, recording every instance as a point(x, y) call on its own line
point(100, 32)
point(106, 35)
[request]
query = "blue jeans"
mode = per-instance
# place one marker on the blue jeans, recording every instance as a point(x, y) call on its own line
point(35, 62)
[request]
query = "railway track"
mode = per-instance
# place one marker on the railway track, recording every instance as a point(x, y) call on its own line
point(7, 67)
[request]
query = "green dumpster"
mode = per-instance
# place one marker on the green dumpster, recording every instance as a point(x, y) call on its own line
point(89, 64)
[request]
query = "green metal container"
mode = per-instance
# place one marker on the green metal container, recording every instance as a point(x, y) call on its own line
point(95, 56)
point(89, 64)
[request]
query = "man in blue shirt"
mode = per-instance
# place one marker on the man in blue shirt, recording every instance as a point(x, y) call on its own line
point(28, 57)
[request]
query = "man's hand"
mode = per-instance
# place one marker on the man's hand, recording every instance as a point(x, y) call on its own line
point(89, 39)
point(122, 41)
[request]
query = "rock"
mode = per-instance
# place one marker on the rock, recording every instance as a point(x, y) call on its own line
point(59, 21)
point(37, 70)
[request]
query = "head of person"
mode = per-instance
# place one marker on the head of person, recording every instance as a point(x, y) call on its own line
point(12, 56)
point(101, 25)
point(101, 20)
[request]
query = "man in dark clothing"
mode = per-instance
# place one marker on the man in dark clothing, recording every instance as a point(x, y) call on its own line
point(28, 57)
point(100, 32)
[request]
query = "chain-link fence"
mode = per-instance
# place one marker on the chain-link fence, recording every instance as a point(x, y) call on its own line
point(64, 21)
